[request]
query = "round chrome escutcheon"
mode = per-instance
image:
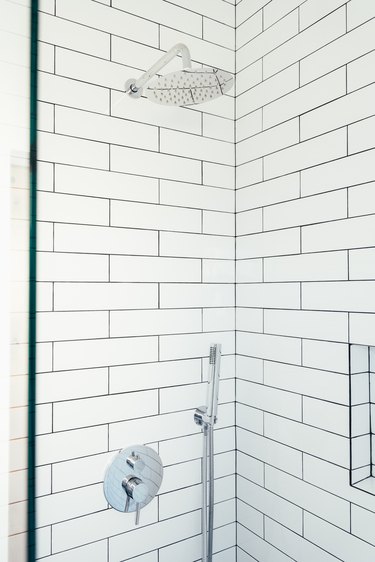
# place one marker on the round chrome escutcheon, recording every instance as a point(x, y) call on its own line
point(135, 462)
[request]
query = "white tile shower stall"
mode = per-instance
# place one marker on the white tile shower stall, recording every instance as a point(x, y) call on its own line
point(247, 221)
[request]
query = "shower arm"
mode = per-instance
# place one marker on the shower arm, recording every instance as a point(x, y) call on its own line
point(134, 87)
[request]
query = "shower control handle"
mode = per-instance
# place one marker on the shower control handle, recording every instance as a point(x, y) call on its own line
point(137, 490)
point(135, 462)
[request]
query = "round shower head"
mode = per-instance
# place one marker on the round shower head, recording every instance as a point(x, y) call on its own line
point(189, 86)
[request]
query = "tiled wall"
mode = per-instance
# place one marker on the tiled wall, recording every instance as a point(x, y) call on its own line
point(136, 276)
point(305, 247)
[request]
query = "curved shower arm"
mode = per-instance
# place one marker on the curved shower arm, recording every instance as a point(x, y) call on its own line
point(133, 87)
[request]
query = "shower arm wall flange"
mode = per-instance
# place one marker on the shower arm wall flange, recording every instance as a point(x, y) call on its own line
point(134, 87)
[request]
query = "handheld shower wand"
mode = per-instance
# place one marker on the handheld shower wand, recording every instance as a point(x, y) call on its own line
point(206, 417)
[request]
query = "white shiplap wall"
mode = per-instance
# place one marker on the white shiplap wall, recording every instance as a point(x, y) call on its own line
point(136, 276)
point(305, 273)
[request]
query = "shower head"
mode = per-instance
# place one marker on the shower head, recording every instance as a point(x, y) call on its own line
point(189, 86)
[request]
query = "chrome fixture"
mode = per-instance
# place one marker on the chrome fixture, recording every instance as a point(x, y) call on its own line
point(188, 86)
point(132, 479)
point(206, 417)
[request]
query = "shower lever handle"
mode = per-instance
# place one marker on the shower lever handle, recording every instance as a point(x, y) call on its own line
point(136, 490)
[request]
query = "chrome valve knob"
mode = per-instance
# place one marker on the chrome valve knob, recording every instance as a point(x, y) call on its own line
point(135, 462)
point(137, 491)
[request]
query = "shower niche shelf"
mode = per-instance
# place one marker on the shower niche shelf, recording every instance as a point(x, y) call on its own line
point(362, 417)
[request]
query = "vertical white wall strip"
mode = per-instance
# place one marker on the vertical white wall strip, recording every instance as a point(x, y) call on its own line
point(136, 276)
point(306, 276)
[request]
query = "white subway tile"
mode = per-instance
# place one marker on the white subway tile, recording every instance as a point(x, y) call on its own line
point(292, 544)
point(154, 164)
point(95, 552)
point(46, 116)
point(249, 319)
point(248, 77)
point(307, 267)
point(154, 217)
point(196, 146)
point(92, 14)
point(349, 296)
point(201, 51)
point(84, 124)
point(215, 9)
point(251, 468)
point(270, 399)
point(68, 385)
point(325, 415)
point(248, 271)
point(268, 91)
point(166, 14)
point(342, 234)
point(269, 295)
point(361, 71)
point(344, 172)
point(311, 11)
point(269, 141)
point(306, 98)
point(67, 505)
point(104, 240)
point(282, 242)
point(73, 36)
point(308, 497)
point(275, 348)
point(72, 151)
point(307, 381)
point(361, 200)
point(56, 326)
point(99, 183)
point(343, 111)
point(362, 264)
point(269, 192)
point(306, 154)
point(218, 271)
point(362, 328)
point(143, 111)
point(194, 345)
point(46, 57)
point(317, 442)
point(263, 550)
point(359, 12)
point(334, 540)
point(220, 319)
point(249, 173)
point(154, 322)
point(103, 352)
point(155, 269)
point(247, 8)
point(249, 222)
point(218, 175)
point(307, 324)
point(272, 12)
point(196, 196)
point(306, 42)
point(89, 412)
point(361, 135)
point(218, 223)
point(56, 207)
point(71, 267)
point(249, 125)
point(64, 445)
point(269, 40)
point(250, 419)
point(63, 91)
point(249, 29)
point(339, 52)
point(196, 245)
point(128, 378)
point(329, 356)
point(270, 504)
point(219, 33)
point(196, 295)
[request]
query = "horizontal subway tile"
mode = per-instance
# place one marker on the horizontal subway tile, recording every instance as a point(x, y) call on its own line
point(194, 345)
point(269, 192)
point(349, 233)
point(196, 245)
point(218, 223)
point(56, 447)
point(103, 352)
point(362, 264)
point(105, 409)
point(306, 42)
point(56, 326)
point(249, 29)
point(56, 207)
point(326, 355)
point(362, 328)
point(353, 296)
point(275, 348)
point(218, 319)
point(307, 267)
point(249, 173)
point(269, 295)
point(68, 385)
point(218, 271)
point(247, 541)
point(249, 271)
point(361, 71)
point(218, 175)
point(196, 295)
point(72, 151)
point(57, 266)
point(249, 222)
point(154, 269)
point(104, 240)
point(270, 399)
point(361, 200)
point(195, 146)
point(286, 241)
point(307, 324)
point(307, 381)
point(361, 135)
point(196, 196)
point(219, 33)
point(154, 164)
point(154, 217)
point(278, 9)
point(359, 12)
point(248, 78)
point(306, 154)
point(327, 416)
point(154, 322)
point(249, 125)
point(105, 296)
point(311, 12)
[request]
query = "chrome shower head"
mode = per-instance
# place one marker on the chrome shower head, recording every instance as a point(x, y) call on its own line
point(189, 86)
